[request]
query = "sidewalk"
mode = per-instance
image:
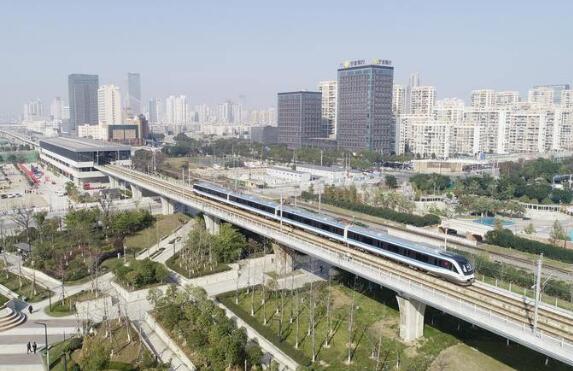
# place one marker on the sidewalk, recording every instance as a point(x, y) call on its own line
point(160, 348)
point(170, 244)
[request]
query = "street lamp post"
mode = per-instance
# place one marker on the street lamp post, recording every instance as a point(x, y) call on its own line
point(46, 340)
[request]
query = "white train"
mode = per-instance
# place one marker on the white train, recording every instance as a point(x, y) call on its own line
point(453, 267)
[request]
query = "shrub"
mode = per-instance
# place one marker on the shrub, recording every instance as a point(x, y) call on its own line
point(506, 238)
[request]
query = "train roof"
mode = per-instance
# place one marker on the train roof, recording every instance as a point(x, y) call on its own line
point(374, 233)
point(383, 235)
point(314, 216)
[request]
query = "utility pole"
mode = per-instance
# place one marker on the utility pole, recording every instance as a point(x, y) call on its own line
point(46, 339)
point(537, 292)
point(281, 211)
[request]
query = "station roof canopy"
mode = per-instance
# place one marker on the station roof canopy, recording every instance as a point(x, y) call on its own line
point(84, 144)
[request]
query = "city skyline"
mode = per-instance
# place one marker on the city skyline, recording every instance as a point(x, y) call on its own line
point(250, 64)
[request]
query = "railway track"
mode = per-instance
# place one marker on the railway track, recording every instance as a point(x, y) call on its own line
point(523, 262)
point(551, 321)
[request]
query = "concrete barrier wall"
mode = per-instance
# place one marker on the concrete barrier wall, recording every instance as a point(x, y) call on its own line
point(138, 295)
point(283, 359)
point(8, 293)
point(434, 234)
point(156, 327)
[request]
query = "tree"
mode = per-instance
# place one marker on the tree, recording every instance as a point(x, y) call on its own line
point(391, 181)
point(23, 218)
point(529, 229)
point(558, 234)
point(95, 354)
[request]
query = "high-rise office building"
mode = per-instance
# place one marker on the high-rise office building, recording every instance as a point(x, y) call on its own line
point(82, 97)
point(109, 105)
point(134, 94)
point(364, 109)
point(328, 89)
point(299, 117)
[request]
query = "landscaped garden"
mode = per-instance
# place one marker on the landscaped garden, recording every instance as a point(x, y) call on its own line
point(353, 324)
point(140, 274)
point(24, 287)
point(93, 352)
point(205, 253)
point(67, 306)
point(206, 335)
point(72, 249)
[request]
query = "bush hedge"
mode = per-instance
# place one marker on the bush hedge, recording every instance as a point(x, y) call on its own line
point(560, 289)
point(506, 238)
point(386, 213)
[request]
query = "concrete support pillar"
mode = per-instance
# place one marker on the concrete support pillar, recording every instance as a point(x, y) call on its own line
point(212, 224)
point(113, 182)
point(284, 258)
point(135, 192)
point(411, 318)
point(167, 206)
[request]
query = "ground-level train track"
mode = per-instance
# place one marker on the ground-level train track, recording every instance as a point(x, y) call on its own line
point(551, 321)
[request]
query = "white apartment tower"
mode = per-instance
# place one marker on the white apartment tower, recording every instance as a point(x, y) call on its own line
point(57, 109)
point(506, 98)
point(398, 99)
point(329, 91)
point(33, 110)
point(483, 98)
point(422, 100)
point(541, 96)
point(176, 110)
point(567, 100)
point(109, 105)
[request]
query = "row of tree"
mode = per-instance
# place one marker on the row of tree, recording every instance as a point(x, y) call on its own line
point(213, 341)
point(395, 206)
point(506, 238)
point(204, 252)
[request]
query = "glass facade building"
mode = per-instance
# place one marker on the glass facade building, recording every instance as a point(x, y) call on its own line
point(364, 107)
point(299, 117)
point(134, 93)
point(82, 91)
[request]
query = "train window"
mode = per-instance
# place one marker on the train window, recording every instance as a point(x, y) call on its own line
point(421, 257)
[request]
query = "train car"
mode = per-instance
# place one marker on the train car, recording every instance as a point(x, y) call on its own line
point(450, 266)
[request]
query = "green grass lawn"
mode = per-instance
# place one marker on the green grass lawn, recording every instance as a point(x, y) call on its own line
point(12, 282)
point(3, 300)
point(375, 317)
point(372, 321)
point(162, 227)
point(175, 263)
point(67, 306)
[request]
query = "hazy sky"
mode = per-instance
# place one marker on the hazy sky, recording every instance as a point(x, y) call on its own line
point(215, 50)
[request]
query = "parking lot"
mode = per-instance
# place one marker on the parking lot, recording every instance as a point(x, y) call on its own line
point(15, 191)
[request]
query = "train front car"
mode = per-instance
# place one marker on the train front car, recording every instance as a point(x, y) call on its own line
point(466, 269)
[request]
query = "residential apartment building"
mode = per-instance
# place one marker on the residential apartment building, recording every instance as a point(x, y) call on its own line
point(109, 105)
point(329, 90)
